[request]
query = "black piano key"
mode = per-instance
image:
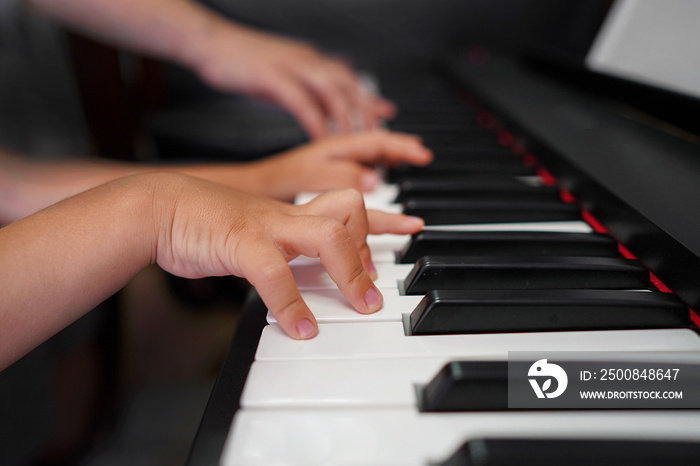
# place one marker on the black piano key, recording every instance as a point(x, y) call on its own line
point(466, 386)
point(455, 123)
point(524, 272)
point(455, 212)
point(503, 198)
point(456, 173)
point(447, 158)
point(498, 180)
point(458, 168)
point(573, 452)
point(451, 160)
point(453, 189)
point(477, 190)
point(450, 127)
point(436, 108)
point(495, 181)
point(506, 243)
point(418, 123)
point(455, 154)
point(466, 139)
point(502, 311)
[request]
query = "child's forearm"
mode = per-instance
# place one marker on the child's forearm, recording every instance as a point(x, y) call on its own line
point(61, 262)
point(28, 185)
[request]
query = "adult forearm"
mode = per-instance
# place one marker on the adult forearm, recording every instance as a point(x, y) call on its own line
point(61, 262)
point(161, 28)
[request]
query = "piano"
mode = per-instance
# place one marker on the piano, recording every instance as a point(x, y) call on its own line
point(556, 220)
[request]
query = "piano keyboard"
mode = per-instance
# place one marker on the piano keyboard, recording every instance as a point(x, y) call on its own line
point(349, 396)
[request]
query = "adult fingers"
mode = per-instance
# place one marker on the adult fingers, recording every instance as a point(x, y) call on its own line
point(335, 90)
point(296, 98)
point(350, 106)
point(383, 108)
point(377, 108)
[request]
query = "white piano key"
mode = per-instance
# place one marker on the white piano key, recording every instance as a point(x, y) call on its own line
point(305, 197)
point(573, 226)
point(334, 383)
point(533, 181)
point(384, 247)
point(388, 340)
point(404, 437)
point(330, 306)
point(382, 197)
point(379, 383)
point(304, 260)
point(312, 275)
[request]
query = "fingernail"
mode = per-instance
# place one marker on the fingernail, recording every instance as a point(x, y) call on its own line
point(373, 299)
point(369, 181)
point(306, 329)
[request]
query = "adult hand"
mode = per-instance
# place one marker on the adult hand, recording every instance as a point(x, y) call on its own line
point(323, 93)
point(320, 91)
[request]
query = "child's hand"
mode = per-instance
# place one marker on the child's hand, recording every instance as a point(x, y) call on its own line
point(205, 229)
point(335, 163)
